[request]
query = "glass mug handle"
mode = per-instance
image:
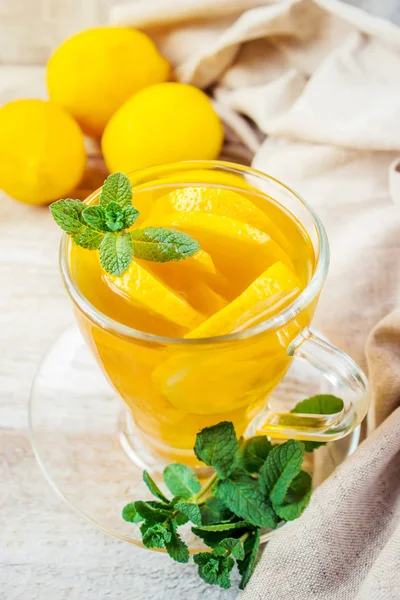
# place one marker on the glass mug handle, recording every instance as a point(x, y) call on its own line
point(340, 371)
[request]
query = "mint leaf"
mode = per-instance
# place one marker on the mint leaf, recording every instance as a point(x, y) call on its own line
point(242, 495)
point(130, 514)
point(94, 217)
point(176, 547)
point(88, 238)
point(214, 511)
point(116, 253)
point(216, 446)
point(155, 536)
point(296, 499)
point(253, 452)
point(160, 244)
point(116, 188)
point(225, 526)
point(150, 514)
point(234, 546)
point(130, 216)
point(214, 569)
point(246, 566)
point(324, 404)
point(181, 481)
point(114, 215)
point(68, 215)
point(214, 538)
point(192, 511)
point(282, 465)
point(153, 487)
point(181, 519)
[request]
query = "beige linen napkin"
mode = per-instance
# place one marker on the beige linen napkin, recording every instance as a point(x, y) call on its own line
point(320, 80)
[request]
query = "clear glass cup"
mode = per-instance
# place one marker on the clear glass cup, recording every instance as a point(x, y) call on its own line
point(225, 378)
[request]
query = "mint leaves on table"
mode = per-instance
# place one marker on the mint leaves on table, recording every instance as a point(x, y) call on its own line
point(324, 404)
point(104, 227)
point(255, 485)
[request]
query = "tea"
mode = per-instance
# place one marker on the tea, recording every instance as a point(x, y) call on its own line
point(254, 259)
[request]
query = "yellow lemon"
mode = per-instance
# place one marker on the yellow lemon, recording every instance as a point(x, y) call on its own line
point(92, 73)
point(219, 201)
point(273, 286)
point(42, 152)
point(191, 279)
point(163, 123)
point(239, 251)
point(140, 287)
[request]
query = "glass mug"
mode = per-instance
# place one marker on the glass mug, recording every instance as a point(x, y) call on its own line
point(173, 387)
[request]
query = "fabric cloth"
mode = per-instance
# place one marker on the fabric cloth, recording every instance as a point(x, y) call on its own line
point(320, 81)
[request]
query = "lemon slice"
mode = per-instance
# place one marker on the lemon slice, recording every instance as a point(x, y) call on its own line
point(218, 201)
point(239, 251)
point(191, 279)
point(139, 286)
point(266, 291)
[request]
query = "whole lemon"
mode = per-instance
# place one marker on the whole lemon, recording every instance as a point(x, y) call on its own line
point(42, 152)
point(92, 73)
point(163, 123)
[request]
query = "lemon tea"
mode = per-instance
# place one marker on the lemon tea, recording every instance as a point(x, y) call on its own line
point(188, 347)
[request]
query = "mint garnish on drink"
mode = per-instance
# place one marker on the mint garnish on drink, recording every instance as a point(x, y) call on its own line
point(104, 227)
point(255, 485)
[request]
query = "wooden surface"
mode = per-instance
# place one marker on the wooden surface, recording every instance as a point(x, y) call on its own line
point(46, 551)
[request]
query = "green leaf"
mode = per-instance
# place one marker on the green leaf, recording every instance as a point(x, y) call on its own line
point(130, 216)
point(242, 495)
point(114, 214)
point(324, 404)
point(214, 538)
point(181, 481)
point(116, 188)
point(88, 238)
point(130, 514)
point(253, 452)
point(246, 566)
point(181, 519)
point(216, 446)
point(225, 526)
point(155, 536)
point(153, 487)
point(214, 569)
point(296, 499)
point(94, 217)
point(192, 511)
point(282, 465)
point(176, 547)
point(234, 546)
point(160, 244)
point(68, 215)
point(214, 511)
point(116, 253)
point(150, 514)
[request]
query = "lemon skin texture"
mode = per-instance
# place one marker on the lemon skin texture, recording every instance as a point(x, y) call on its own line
point(94, 72)
point(42, 151)
point(164, 123)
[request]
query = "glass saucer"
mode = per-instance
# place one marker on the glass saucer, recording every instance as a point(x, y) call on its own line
point(78, 432)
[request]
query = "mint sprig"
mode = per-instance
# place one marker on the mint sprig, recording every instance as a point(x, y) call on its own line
point(103, 227)
point(256, 485)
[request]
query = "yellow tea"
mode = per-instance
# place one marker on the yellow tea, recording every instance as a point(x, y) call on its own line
point(190, 363)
